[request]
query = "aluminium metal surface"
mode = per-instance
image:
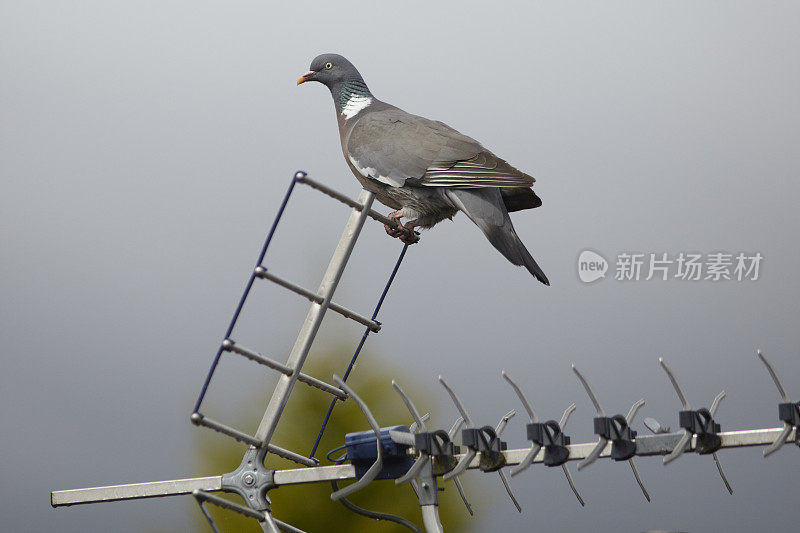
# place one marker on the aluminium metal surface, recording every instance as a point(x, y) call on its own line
point(289, 373)
point(316, 313)
point(646, 445)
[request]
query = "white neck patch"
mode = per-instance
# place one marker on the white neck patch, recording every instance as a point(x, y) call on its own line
point(354, 105)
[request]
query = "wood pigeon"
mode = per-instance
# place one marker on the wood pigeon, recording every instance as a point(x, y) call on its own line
point(423, 168)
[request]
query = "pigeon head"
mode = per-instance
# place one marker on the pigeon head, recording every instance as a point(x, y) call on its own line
point(347, 87)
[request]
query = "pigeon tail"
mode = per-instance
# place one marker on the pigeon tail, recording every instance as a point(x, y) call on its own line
point(486, 209)
point(529, 262)
point(519, 198)
point(508, 243)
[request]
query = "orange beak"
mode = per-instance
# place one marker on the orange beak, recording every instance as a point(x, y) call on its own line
point(305, 77)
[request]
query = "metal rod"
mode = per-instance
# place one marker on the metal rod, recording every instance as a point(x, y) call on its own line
point(633, 410)
point(455, 427)
point(321, 385)
point(410, 406)
point(268, 525)
point(292, 456)
point(774, 376)
point(199, 419)
point(201, 495)
point(133, 491)
point(302, 476)
point(646, 445)
point(590, 392)
point(522, 398)
point(510, 492)
point(780, 441)
point(660, 444)
point(639, 479)
point(565, 417)
point(680, 447)
point(347, 201)
point(230, 346)
point(373, 470)
point(424, 418)
point(430, 519)
point(464, 463)
point(308, 332)
point(402, 437)
point(599, 447)
point(722, 473)
point(263, 273)
point(352, 362)
point(272, 524)
point(501, 426)
point(287, 528)
point(459, 405)
point(674, 381)
point(299, 176)
point(336, 195)
point(715, 404)
point(527, 461)
point(457, 483)
point(572, 485)
point(206, 514)
point(534, 449)
point(421, 462)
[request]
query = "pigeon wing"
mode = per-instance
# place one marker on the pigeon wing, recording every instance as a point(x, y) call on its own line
point(392, 146)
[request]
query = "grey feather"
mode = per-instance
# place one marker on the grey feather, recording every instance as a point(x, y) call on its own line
point(393, 146)
point(519, 198)
point(486, 209)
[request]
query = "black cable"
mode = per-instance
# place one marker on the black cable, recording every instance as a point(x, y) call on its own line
point(358, 350)
point(208, 516)
point(376, 514)
point(340, 459)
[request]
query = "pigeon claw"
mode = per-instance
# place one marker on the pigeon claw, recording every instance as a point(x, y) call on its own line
point(409, 240)
point(393, 231)
point(409, 236)
point(405, 232)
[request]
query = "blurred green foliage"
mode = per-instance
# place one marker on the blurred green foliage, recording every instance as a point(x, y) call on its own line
point(309, 507)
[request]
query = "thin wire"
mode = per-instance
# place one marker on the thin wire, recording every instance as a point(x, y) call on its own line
point(340, 459)
point(207, 515)
point(375, 514)
point(367, 331)
point(246, 291)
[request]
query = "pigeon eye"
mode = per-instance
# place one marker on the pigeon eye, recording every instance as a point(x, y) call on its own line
point(328, 65)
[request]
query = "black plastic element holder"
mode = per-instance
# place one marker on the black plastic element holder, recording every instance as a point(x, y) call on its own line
point(549, 436)
point(485, 441)
point(616, 429)
point(442, 450)
point(789, 412)
point(701, 422)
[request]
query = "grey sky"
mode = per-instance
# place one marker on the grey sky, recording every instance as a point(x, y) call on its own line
point(145, 146)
